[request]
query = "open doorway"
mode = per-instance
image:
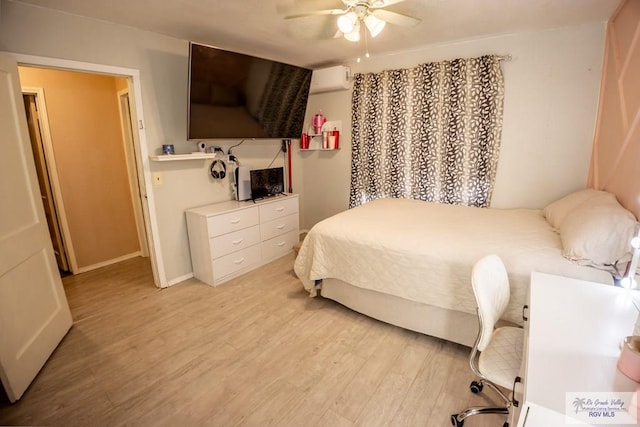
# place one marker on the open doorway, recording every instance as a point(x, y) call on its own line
point(84, 166)
point(129, 139)
point(140, 145)
point(45, 184)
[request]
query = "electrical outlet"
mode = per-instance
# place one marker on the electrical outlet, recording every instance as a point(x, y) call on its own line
point(157, 179)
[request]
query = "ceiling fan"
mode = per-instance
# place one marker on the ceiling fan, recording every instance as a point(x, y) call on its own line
point(353, 14)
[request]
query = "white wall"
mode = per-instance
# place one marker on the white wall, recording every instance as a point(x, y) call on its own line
point(163, 65)
point(551, 92)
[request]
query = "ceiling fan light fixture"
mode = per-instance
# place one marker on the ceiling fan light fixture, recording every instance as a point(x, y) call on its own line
point(346, 22)
point(353, 35)
point(374, 25)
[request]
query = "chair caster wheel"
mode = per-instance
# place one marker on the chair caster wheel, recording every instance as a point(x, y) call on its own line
point(455, 422)
point(476, 387)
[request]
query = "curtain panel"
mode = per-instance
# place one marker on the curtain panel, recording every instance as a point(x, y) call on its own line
point(430, 133)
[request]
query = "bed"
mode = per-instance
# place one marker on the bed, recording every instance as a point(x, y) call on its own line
point(408, 262)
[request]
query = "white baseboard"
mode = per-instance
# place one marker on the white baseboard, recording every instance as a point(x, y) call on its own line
point(108, 262)
point(179, 279)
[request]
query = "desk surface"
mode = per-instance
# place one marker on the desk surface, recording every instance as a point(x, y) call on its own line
point(575, 331)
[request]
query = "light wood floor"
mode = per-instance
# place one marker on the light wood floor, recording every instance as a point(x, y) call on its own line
point(254, 351)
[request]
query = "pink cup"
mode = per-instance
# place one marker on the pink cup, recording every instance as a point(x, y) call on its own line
point(629, 360)
point(318, 121)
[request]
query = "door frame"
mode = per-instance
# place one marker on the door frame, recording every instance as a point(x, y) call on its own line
point(140, 144)
point(52, 172)
point(130, 155)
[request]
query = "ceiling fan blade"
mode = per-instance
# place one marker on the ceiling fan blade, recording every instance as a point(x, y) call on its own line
point(308, 7)
point(316, 13)
point(396, 18)
point(325, 31)
point(377, 4)
point(313, 28)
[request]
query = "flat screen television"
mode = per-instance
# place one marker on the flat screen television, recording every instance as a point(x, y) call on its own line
point(232, 95)
point(266, 182)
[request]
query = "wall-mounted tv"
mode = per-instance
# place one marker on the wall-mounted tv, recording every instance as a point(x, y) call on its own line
point(266, 182)
point(232, 95)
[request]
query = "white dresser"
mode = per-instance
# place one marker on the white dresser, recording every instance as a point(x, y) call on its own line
point(230, 238)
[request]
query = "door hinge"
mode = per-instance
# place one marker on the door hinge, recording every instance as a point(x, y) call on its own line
point(140, 125)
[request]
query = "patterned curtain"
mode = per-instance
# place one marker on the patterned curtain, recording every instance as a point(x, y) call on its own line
point(430, 133)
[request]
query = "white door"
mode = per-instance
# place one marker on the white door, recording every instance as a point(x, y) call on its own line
point(34, 314)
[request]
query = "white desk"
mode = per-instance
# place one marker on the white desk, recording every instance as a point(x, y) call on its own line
point(574, 335)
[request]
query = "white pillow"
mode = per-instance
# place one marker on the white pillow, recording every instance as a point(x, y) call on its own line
point(556, 212)
point(597, 232)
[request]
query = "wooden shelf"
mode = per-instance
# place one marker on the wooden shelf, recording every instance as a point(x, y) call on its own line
point(176, 157)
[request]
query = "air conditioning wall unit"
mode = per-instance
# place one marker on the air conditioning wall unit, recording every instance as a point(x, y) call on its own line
point(330, 79)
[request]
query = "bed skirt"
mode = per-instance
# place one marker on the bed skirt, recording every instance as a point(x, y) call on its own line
point(449, 325)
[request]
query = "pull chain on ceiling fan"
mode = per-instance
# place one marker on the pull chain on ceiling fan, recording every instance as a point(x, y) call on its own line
point(355, 15)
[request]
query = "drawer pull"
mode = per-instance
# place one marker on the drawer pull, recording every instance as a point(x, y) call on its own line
point(516, 380)
point(281, 244)
point(235, 221)
point(237, 242)
point(525, 310)
point(239, 261)
point(280, 209)
point(280, 227)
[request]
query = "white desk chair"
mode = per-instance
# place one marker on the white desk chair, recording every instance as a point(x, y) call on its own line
point(500, 349)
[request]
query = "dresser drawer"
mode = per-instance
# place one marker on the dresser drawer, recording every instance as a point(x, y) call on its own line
point(232, 242)
point(236, 261)
point(279, 246)
point(232, 221)
point(278, 226)
point(285, 206)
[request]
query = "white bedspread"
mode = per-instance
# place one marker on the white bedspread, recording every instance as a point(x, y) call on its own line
point(424, 251)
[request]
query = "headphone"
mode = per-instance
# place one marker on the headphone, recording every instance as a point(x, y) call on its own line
point(218, 169)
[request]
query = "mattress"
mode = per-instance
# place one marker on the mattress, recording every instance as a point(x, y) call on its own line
point(424, 252)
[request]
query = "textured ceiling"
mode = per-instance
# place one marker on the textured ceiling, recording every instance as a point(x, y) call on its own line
point(255, 26)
